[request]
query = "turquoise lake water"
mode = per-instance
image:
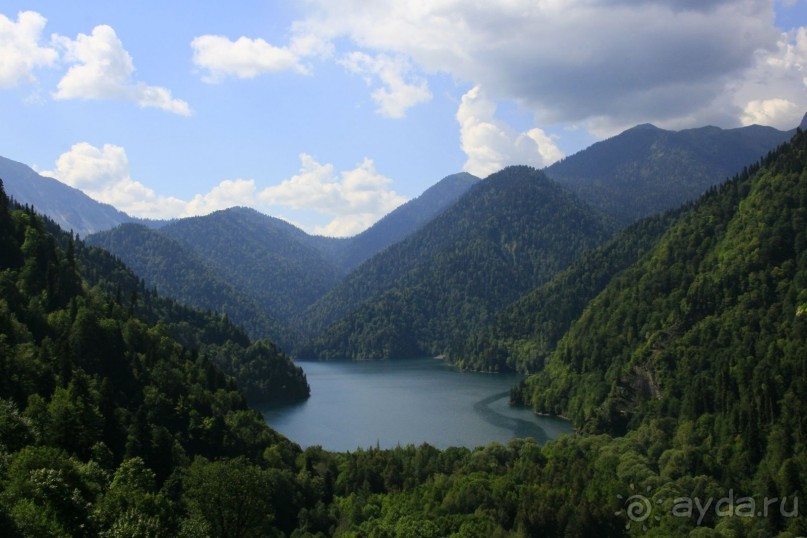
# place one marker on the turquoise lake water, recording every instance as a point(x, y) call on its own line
point(363, 404)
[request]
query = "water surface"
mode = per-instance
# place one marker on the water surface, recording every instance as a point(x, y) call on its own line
point(388, 403)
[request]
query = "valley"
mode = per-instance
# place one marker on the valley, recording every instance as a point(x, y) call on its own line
point(672, 337)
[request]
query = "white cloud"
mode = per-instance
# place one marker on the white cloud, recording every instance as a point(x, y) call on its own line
point(491, 145)
point(774, 92)
point(354, 199)
point(103, 69)
point(20, 52)
point(228, 193)
point(771, 112)
point(612, 62)
point(245, 57)
point(401, 89)
point(103, 174)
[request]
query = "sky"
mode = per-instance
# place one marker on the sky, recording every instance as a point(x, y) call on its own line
point(331, 113)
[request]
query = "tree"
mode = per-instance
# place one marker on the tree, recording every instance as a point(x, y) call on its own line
point(233, 496)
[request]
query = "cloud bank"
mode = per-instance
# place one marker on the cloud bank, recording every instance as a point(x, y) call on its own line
point(607, 63)
point(350, 201)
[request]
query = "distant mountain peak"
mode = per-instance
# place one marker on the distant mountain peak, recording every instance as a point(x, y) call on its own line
point(645, 127)
point(803, 124)
point(69, 207)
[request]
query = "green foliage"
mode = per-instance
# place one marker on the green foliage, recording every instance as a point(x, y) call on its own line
point(694, 355)
point(508, 235)
point(99, 409)
point(705, 330)
point(175, 271)
point(522, 335)
point(403, 221)
point(261, 370)
point(268, 259)
point(233, 497)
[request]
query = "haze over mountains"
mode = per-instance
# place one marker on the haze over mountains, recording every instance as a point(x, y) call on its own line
point(314, 294)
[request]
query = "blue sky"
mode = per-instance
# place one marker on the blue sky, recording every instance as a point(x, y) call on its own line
point(330, 113)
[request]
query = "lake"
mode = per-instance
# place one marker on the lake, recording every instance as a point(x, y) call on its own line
point(361, 404)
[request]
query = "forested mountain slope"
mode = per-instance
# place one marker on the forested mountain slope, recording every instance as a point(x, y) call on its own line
point(709, 327)
point(264, 257)
point(98, 407)
point(175, 272)
point(705, 317)
point(646, 170)
point(523, 334)
point(507, 235)
point(110, 427)
point(259, 270)
point(403, 221)
point(68, 207)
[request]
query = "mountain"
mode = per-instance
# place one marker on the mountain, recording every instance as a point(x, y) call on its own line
point(174, 271)
point(646, 170)
point(507, 235)
point(111, 426)
point(100, 407)
point(68, 207)
point(263, 257)
point(710, 323)
point(403, 221)
point(523, 334)
point(260, 270)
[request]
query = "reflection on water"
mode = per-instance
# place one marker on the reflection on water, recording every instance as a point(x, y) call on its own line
point(389, 403)
point(519, 426)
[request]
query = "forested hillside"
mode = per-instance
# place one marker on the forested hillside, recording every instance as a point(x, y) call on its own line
point(110, 427)
point(523, 334)
point(175, 272)
point(646, 170)
point(709, 330)
point(68, 207)
point(403, 221)
point(99, 407)
point(506, 236)
point(259, 270)
point(265, 257)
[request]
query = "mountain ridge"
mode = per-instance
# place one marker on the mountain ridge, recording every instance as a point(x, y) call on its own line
point(646, 170)
point(503, 237)
point(67, 206)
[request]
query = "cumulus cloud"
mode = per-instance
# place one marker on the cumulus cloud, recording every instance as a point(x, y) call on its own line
point(354, 199)
point(400, 90)
point(771, 112)
point(491, 144)
point(775, 90)
point(103, 69)
point(615, 62)
point(228, 193)
point(20, 52)
point(243, 58)
point(351, 200)
point(103, 174)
